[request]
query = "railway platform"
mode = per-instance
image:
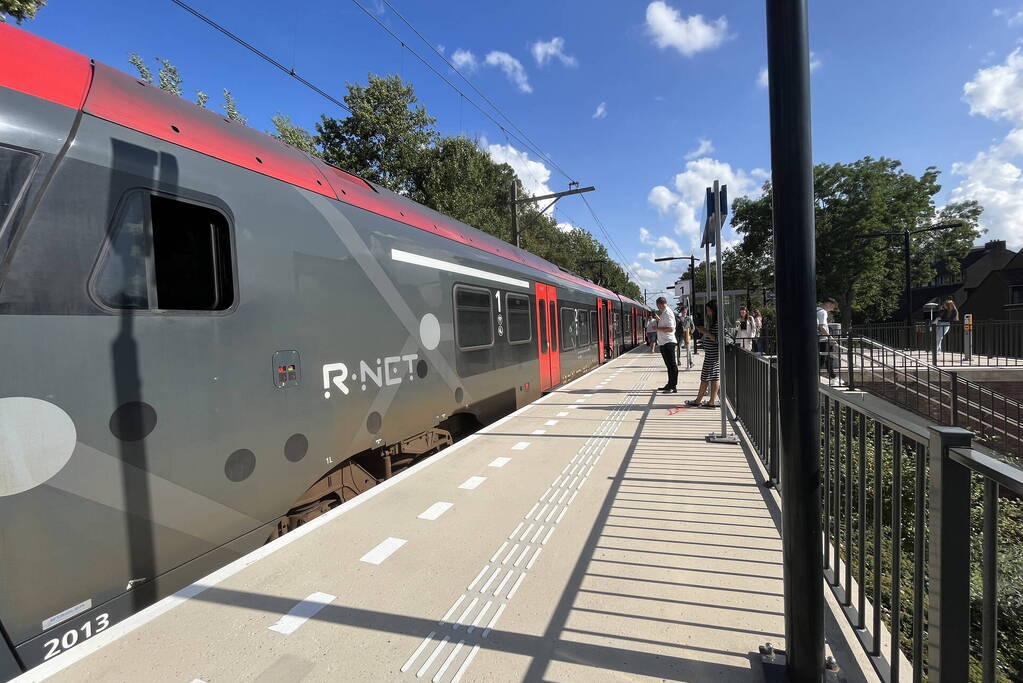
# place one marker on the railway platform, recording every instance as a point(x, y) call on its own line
point(591, 536)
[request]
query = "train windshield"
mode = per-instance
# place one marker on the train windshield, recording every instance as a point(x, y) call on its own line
point(15, 170)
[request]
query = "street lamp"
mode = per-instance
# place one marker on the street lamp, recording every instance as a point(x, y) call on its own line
point(692, 271)
point(905, 253)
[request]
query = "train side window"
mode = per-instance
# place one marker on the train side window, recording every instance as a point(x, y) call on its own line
point(567, 329)
point(520, 323)
point(474, 318)
point(543, 326)
point(594, 337)
point(168, 255)
point(584, 328)
point(15, 171)
point(554, 327)
point(191, 256)
point(123, 280)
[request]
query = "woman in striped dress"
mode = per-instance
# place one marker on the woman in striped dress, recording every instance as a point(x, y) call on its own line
point(710, 377)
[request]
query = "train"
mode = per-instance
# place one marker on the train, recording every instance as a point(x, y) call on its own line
point(212, 337)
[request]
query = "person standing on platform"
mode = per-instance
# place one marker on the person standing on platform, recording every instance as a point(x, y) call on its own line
point(710, 377)
point(651, 330)
point(758, 322)
point(665, 327)
point(947, 314)
point(745, 329)
point(825, 341)
point(687, 326)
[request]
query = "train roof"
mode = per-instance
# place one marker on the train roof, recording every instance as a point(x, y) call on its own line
point(51, 72)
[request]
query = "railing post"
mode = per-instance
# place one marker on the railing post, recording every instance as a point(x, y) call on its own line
point(955, 398)
point(968, 341)
point(934, 345)
point(851, 384)
point(772, 448)
point(948, 567)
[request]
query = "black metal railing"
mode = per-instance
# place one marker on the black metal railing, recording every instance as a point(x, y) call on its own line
point(989, 343)
point(941, 395)
point(903, 536)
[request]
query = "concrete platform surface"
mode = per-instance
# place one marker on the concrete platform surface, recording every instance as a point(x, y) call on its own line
point(591, 536)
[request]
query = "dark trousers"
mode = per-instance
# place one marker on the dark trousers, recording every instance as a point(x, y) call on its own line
point(668, 354)
point(826, 359)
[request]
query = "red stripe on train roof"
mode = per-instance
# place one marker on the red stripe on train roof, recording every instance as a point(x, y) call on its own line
point(37, 67)
point(47, 70)
point(119, 98)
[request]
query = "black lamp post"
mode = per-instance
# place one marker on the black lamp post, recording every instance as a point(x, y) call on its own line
point(692, 270)
point(905, 255)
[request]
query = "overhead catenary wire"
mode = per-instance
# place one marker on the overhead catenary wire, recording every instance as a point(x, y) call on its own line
point(262, 55)
point(534, 147)
point(451, 85)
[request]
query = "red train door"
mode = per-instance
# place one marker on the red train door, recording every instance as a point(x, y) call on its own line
point(612, 333)
point(547, 335)
point(554, 320)
point(601, 329)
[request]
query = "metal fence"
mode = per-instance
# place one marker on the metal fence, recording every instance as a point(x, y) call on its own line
point(897, 515)
point(939, 394)
point(990, 343)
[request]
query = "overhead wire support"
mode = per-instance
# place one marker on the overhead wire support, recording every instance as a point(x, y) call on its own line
point(262, 55)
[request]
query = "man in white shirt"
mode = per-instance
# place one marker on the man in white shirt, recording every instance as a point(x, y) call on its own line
point(666, 341)
point(824, 339)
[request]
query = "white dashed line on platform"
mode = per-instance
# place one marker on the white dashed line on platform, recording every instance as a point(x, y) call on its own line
point(538, 432)
point(499, 462)
point(436, 510)
point(550, 423)
point(520, 446)
point(472, 483)
point(383, 551)
point(562, 414)
point(303, 611)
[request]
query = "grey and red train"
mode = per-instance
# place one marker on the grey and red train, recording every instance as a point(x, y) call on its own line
point(210, 337)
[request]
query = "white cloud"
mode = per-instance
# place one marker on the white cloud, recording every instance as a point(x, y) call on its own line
point(441, 48)
point(995, 176)
point(688, 35)
point(566, 227)
point(995, 179)
point(997, 91)
point(685, 200)
point(1013, 19)
point(533, 174)
point(601, 111)
point(464, 60)
point(703, 147)
point(512, 68)
point(763, 79)
point(553, 48)
point(662, 242)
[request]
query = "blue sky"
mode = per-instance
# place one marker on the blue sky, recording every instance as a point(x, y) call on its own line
point(936, 82)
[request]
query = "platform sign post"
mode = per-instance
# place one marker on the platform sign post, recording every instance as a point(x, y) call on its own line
point(968, 336)
point(718, 196)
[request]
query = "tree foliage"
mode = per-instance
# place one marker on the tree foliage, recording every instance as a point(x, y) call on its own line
point(231, 109)
point(296, 136)
point(19, 9)
point(865, 275)
point(385, 138)
point(170, 79)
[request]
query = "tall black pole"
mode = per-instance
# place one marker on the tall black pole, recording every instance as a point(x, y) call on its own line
point(515, 213)
point(795, 295)
point(909, 286)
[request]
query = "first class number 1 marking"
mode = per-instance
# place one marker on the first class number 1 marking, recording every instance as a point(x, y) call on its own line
point(55, 646)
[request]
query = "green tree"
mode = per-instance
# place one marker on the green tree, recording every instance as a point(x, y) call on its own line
point(943, 250)
point(19, 9)
point(144, 72)
point(385, 137)
point(231, 109)
point(201, 98)
point(170, 79)
point(296, 136)
point(851, 201)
